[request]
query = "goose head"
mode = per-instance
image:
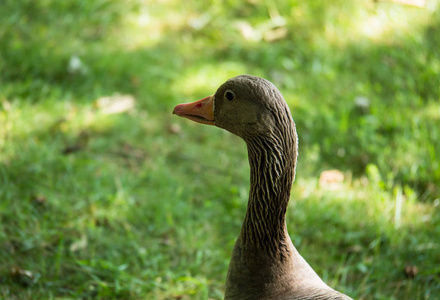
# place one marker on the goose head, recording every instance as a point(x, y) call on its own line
point(246, 105)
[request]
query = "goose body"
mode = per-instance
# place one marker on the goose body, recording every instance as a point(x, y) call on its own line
point(264, 264)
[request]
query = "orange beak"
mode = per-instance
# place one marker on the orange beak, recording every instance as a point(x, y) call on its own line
point(201, 111)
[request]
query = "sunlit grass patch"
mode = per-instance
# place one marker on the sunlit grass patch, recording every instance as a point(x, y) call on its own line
point(207, 78)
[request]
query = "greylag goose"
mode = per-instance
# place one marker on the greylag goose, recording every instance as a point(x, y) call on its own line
point(264, 263)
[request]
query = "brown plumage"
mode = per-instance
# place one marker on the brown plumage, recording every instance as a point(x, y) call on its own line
point(264, 263)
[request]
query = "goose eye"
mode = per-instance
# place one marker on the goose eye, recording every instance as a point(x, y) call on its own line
point(229, 95)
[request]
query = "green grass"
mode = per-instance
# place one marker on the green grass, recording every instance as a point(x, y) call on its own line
point(144, 205)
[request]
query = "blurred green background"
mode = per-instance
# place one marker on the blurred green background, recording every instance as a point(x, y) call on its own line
point(105, 195)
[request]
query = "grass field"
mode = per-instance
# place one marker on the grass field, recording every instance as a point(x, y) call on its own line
point(104, 194)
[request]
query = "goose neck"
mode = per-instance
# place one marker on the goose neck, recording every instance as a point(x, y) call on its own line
point(272, 164)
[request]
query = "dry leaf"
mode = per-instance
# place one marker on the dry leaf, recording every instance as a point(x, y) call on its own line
point(174, 128)
point(23, 277)
point(115, 104)
point(275, 34)
point(39, 200)
point(411, 271)
point(331, 178)
point(79, 245)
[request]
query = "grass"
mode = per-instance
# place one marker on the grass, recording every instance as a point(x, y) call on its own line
point(142, 205)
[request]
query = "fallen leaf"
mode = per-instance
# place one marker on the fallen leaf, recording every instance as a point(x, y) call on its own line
point(39, 200)
point(115, 104)
point(275, 34)
point(248, 32)
point(174, 128)
point(76, 66)
point(331, 179)
point(79, 244)
point(354, 249)
point(411, 271)
point(22, 277)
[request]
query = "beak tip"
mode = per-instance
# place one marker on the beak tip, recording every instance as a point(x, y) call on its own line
point(175, 110)
point(200, 111)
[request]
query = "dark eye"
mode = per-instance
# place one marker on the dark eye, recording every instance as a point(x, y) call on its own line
point(229, 95)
